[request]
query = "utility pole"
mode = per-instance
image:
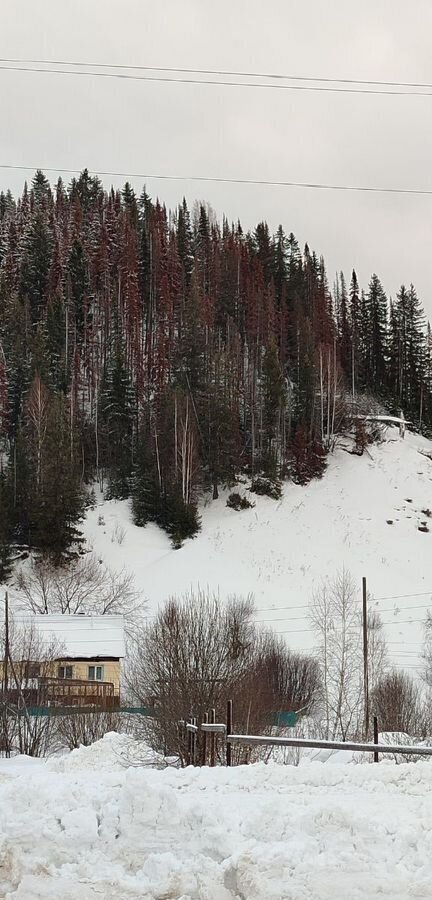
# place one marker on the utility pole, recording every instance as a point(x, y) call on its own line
point(6, 646)
point(4, 685)
point(365, 662)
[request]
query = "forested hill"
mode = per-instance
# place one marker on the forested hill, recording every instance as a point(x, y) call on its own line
point(166, 352)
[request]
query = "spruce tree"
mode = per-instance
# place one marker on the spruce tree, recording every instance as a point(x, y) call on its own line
point(344, 330)
point(116, 413)
point(36, 263)
point(273, 389)
point(377, 313)
point(280, 268)
point(6, 526)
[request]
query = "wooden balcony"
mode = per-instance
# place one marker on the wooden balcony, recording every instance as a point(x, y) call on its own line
point(66, 692)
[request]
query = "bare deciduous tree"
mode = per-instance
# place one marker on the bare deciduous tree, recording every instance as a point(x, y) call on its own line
point(336, 619)
point(31, 661)
point(427, 651)
point(397, 702)
point(84, 586)
point(80, 729)
point(377, 649)
point(199, 653)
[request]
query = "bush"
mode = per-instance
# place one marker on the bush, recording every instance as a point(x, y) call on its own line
point(309, 458)
point(397, 703)
point(198, 653)
point(181, 520)
point(266, 487)
point(237, 502)
point(80, 729)
point(361, 437)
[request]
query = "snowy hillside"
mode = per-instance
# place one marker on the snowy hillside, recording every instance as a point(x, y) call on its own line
point(280, 550)
point(83, 826)
point(364, 514)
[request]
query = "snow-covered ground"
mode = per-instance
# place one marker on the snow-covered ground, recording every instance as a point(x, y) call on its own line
point(280, 550)
point(364, 514)
point(83, 826)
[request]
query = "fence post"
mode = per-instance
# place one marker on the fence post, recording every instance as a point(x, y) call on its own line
point(365, 660)
point(375, 726)
point(229, 722)
point(194, 742)
point(212, 739)
point(204, 740)
point(188, 743)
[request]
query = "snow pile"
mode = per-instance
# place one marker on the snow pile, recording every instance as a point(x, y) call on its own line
point(113, 752)
point(258, 832)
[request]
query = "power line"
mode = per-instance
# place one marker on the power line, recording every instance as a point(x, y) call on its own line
point(402, 596)
point(310, 608)
point(415, 89)
point(223, 180)
point(398, 609)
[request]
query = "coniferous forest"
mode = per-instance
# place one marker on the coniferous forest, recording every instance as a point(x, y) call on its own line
point(163, 353)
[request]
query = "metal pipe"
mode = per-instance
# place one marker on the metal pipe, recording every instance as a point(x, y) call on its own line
point(253, 739)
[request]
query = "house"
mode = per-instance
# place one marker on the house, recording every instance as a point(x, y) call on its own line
point(79, 664)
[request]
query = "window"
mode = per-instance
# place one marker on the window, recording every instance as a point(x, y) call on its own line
point(65, 672)
point(96, 673)
point(32, 670)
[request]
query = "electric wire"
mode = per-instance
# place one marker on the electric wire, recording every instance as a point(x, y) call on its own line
point(392, 89)
point(208, 179)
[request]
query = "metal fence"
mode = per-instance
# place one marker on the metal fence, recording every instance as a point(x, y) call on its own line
point(231, 739)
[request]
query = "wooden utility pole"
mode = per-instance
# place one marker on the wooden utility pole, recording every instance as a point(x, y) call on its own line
point(375, 727)
point(6, 646)
point(229, 723)
point(365, 662)
point(213, 739)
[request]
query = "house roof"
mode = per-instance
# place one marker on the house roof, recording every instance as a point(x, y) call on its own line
point(81, 636)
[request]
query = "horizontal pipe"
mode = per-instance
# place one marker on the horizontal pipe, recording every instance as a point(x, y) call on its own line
point(190, 727)
point(326, 745)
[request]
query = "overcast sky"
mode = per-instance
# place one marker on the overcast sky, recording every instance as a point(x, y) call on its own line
point(126, 126)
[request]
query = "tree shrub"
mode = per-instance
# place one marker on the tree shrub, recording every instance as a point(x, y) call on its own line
point(266, 487)
point(237, 502)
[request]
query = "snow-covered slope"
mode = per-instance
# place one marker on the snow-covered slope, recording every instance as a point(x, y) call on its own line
point(281, 550)
point(83, 827)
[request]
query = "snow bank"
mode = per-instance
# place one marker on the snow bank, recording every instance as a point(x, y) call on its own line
point(112, 753)
point(258, 832)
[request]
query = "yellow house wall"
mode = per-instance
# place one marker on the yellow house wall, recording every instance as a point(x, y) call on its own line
point(111, 670)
